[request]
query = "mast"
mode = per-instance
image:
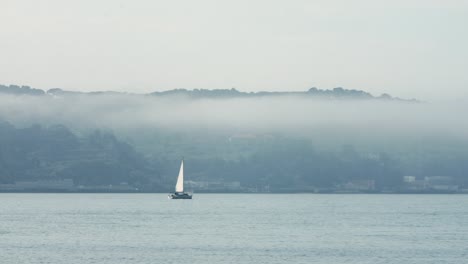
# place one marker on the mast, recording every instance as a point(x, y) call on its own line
point(180, 179)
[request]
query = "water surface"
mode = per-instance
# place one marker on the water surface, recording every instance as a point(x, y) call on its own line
point(233, 228)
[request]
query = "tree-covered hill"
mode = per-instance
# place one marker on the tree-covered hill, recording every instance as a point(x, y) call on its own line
point(50, 153)
point(336, 93)
point(257, 162)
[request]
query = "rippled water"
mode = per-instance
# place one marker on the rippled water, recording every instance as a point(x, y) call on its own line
point(233, 228)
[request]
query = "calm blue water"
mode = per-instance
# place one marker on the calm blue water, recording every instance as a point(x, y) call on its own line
point(233, 228)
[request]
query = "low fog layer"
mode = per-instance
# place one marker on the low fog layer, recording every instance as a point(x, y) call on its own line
point(286, 115)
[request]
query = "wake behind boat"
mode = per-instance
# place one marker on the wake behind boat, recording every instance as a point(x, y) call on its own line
point(179, 188)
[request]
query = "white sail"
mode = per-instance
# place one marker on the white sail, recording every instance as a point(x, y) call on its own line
point(180, 180)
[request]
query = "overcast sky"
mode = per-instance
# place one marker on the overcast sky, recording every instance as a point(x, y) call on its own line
point(408, 48)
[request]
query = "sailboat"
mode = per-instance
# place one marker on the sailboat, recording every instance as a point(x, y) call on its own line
point(179, 188)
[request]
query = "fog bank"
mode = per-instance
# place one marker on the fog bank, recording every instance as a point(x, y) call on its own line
point(289, 115)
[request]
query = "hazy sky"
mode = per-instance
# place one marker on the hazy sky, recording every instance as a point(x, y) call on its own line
point(408, 48)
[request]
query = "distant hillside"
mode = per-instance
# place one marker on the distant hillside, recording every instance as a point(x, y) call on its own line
point(55, 153)
point(20, 90)
point(335, 93)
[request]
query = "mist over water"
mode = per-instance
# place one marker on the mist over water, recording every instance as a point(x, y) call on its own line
point(289, 115)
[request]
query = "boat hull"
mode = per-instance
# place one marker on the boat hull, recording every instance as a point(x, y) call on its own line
point(180, 196)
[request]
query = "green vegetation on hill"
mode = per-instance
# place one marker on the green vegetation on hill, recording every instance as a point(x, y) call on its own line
point(255, 161)
point(20, 90)
point(336, 93)
point(50, 153)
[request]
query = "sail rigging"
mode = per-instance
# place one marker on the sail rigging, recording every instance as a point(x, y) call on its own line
point(179, 188)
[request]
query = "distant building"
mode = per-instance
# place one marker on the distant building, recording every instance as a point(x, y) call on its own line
point(412, 184)
point(122, 187)
point(358, 186)
point(440, 183)
point(39, 185)
point(429, 183)
point(409, 179)
point(214, 185)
